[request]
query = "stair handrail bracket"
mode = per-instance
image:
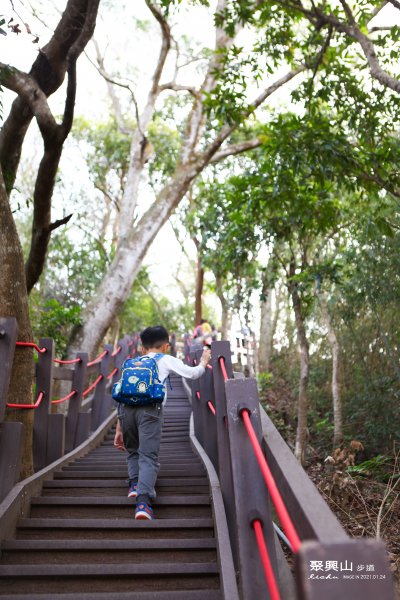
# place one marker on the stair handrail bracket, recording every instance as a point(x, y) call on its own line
point(261, 482)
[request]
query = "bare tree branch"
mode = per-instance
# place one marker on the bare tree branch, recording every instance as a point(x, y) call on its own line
point(28, 89)
point(319, 18)
point(74, 28)
point(59, 222)
point(165, 46)
point(196, 120)
point(110, 82)
point(179, 88)
point(257, 102)
point(234, 149)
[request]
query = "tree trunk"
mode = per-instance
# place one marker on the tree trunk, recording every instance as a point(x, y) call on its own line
point(225, 315)
point(302, 409)
point(14, 303)
point(266, 332)
point(117, 283)
point(135, 238)
point(335, 347)
point(198, 300)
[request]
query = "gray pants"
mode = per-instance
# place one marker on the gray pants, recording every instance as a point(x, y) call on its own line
point(141, 428)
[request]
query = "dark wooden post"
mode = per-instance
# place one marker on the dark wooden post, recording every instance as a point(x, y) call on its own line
point(172, 341)
point(133, 346)
point(101, 400)
point(78, 382)
point(209, 421)
point(11, 432)
point(186, 348)
point(120, 357)
point(44, 383)
point(250, 492)
point(196, 402)
point(355, 569)
point(222, 349)
point(8, 337)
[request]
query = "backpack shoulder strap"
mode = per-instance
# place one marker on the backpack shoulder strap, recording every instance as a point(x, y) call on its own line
point(158, 356)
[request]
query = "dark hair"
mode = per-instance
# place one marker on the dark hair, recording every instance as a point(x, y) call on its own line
point(154, 337)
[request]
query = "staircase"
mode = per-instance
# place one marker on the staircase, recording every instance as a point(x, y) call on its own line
point(81, 539)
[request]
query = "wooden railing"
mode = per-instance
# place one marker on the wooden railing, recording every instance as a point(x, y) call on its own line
point(263, 484)
point(87, 400)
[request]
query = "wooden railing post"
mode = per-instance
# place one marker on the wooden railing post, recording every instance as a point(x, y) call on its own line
point(44, 383)
point(78, 382)
point(11, 432)
point(250, 493)
point(172, 341)
point(355, 569)
point(209, 421)
point(186, 348)
point(101, 400)
point(195, 356)
point(8, 337)
point(222, 349)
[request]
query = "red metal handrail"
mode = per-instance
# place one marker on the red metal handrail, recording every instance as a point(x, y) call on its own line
point(211, 407)
point(276, 497)
point(112, 373)
point(96, 360)
point(93, 385)
point(268, 570)
point(32, 345)
point(67, 362)
point(223, 368)
point(28, 406)
point(198, 395)
point(64, 398)
point(117, 351)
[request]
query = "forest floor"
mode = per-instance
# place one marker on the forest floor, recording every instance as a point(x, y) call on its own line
point(362, 506)
point(366, 504)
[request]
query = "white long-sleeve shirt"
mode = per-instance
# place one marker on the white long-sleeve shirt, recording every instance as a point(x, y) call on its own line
point(169, 364)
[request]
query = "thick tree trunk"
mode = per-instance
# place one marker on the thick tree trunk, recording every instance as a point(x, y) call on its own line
point(302, 409)
point(117, 283)
point(335, 347)
point(14, 303)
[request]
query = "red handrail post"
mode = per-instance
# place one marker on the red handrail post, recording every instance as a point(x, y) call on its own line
point(75, 403)
point(44, 383)
point(250, 493)
point(11, 432)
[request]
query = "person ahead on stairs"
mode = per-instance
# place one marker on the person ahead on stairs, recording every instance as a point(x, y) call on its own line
point(139, 427)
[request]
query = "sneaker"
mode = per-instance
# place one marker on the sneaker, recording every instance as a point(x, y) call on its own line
point(143, 511)
point(132, 493)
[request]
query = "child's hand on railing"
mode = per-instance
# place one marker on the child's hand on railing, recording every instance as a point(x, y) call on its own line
point(205, 357)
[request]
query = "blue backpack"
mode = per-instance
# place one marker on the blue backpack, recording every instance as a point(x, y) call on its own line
point(140, 382)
